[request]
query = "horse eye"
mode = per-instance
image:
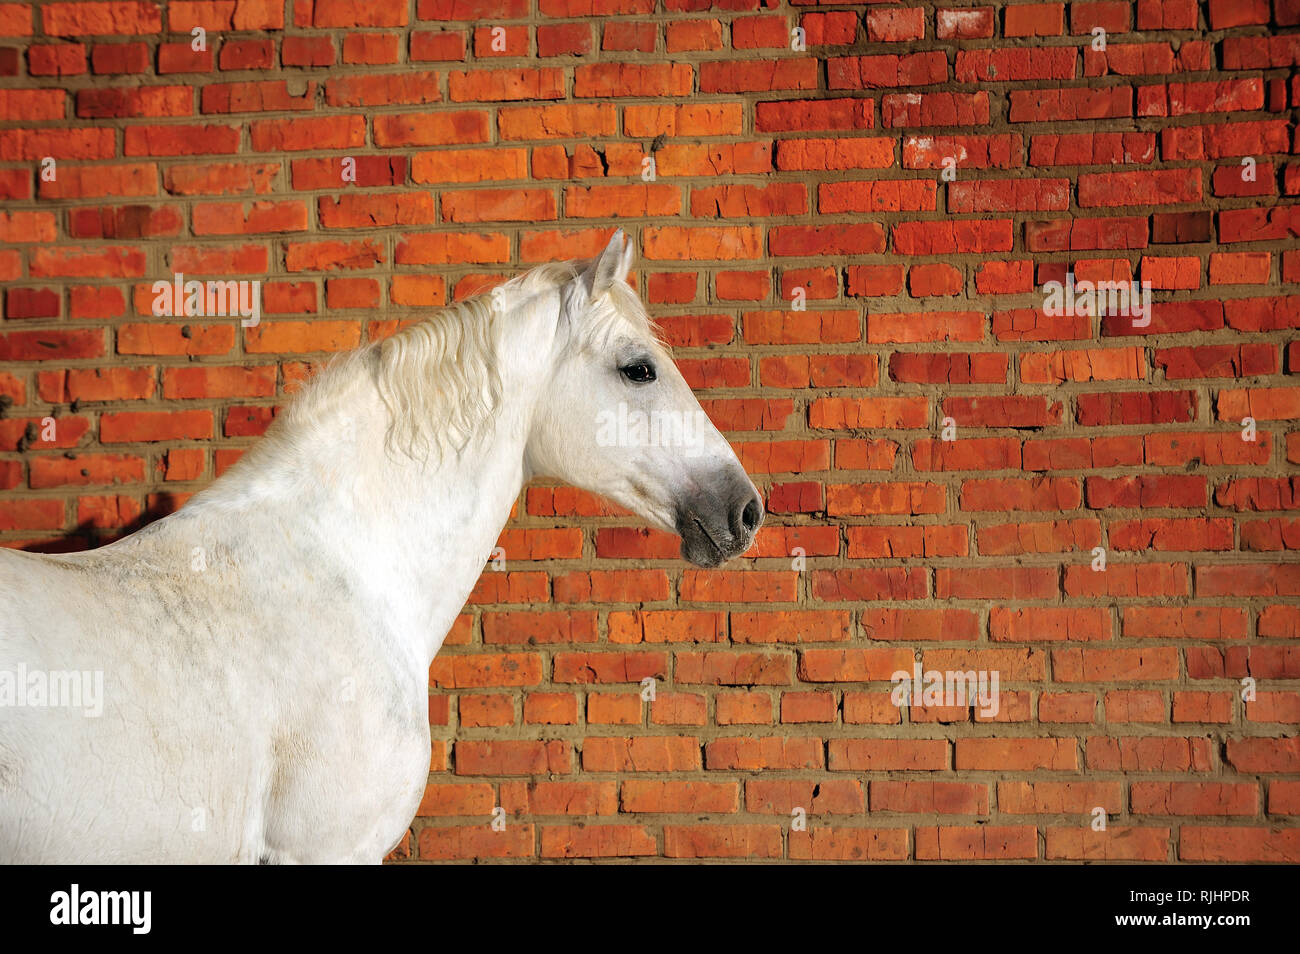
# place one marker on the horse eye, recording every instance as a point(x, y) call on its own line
point(640, 373)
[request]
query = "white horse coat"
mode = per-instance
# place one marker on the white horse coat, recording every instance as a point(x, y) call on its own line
point(265, 650)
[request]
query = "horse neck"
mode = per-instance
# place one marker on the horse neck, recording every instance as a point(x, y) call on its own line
point(414, 535)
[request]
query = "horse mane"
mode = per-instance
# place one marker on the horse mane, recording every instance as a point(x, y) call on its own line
point(443, 370)
point(438, 377)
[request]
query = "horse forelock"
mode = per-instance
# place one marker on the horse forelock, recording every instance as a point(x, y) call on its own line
point(620, 309)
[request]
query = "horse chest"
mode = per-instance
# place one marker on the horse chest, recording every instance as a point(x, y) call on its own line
point(347, 779)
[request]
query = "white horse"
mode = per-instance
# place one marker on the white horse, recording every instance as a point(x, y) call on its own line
point(264, 651)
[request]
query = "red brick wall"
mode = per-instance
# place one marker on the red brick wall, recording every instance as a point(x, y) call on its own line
point(777, 169)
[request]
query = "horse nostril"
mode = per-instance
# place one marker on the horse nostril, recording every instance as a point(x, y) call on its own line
point(751, 515)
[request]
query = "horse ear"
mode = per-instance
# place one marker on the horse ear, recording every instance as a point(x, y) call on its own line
point(610, 266)
point(625, 265)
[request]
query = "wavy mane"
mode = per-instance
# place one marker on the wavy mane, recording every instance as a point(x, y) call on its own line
point(439, 378)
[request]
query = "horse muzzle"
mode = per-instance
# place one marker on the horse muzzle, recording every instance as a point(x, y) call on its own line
point(718, 526)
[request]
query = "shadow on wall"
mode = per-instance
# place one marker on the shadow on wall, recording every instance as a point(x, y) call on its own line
point(87, 536)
